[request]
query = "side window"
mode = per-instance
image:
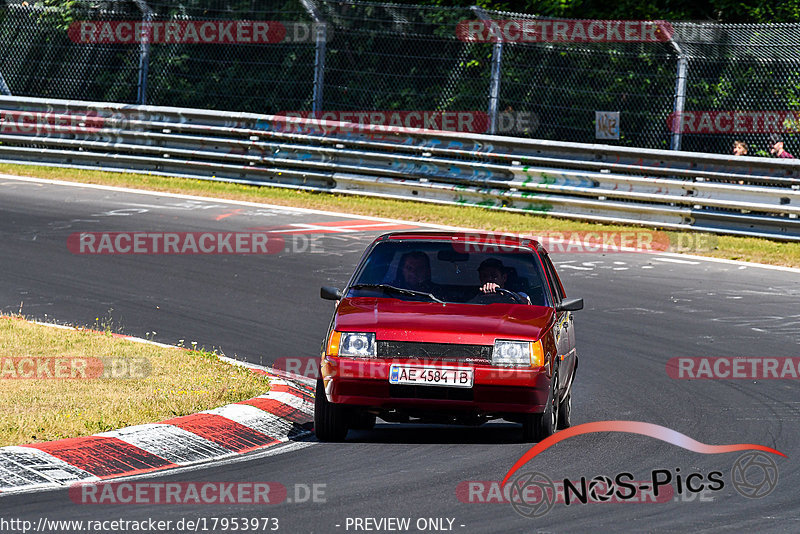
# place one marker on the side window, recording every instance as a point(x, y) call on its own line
point(552, 279)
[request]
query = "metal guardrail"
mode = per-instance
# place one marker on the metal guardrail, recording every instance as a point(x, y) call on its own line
point(680, 190)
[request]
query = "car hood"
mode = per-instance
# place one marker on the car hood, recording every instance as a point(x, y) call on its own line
point(478, 324)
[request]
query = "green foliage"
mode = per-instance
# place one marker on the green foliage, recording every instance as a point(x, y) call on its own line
point(59, 14)
point(399, 57)
point(706, 10)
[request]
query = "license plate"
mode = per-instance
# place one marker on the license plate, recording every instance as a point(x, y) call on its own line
point(423, 375)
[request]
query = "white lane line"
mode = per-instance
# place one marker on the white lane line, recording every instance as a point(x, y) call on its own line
point(675, 260)
point(345, 229)
point(372, 225)
point(261, 205)
point(741, 264)
point(17, 183)
point(307, 226)
point(576, 268)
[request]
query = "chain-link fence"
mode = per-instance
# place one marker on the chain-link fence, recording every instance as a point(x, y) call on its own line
point(693, 86)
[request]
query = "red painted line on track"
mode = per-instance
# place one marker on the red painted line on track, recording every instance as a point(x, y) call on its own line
point(346, 226)
point(280, 388)
point(225, 215)
point(103, 456)
point(223, 431)
point(280, 409)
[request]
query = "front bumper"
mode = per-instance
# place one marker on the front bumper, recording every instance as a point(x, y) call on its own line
point(495, 390)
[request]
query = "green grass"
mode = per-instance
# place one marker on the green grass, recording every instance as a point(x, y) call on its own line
point(730, 247)
point(143, 383)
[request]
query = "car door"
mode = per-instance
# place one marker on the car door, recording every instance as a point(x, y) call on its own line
point(565, 335)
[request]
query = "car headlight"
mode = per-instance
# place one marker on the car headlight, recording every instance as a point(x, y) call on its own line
point(518, 353)
point(352, 344)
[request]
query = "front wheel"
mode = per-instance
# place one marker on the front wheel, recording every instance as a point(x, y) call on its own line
point(537, 426)
point(330, 420)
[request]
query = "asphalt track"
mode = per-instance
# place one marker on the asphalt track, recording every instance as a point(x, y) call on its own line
point(641, 310)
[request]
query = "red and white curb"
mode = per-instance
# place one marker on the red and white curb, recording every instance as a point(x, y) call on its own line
point(285, 413)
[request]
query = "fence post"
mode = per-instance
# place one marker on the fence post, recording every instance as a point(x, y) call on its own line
point(321, 38)
point(144, 51)
point(4, 90)
point(680, 96)
point(497, 60)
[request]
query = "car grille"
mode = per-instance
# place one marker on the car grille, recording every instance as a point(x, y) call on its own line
point(435, 351)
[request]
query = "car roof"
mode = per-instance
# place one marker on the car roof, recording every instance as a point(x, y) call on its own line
point(463, 237)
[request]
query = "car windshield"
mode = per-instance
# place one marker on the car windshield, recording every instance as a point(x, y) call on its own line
point(440, 271)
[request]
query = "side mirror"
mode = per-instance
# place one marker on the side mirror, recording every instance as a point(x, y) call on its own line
point(330, 293)
point(570, 305)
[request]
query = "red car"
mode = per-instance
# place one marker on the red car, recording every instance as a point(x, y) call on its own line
point(449, 328)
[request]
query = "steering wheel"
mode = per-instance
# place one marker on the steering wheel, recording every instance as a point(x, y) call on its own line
point(501, 293)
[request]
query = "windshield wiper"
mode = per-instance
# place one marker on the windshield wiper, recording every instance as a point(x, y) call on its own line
point(400, 290)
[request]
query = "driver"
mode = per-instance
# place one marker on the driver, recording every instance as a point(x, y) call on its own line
point(492, 274)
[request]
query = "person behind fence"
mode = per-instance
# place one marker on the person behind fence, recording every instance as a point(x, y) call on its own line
point(776, 140)
point(739, 148)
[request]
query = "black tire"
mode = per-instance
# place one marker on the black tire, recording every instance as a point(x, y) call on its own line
point(530, 422)
point(537, 426)
point(565, 412)
point(330, 420)
point(362, 420)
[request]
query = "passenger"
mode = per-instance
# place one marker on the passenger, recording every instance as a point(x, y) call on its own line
point(414, 272)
